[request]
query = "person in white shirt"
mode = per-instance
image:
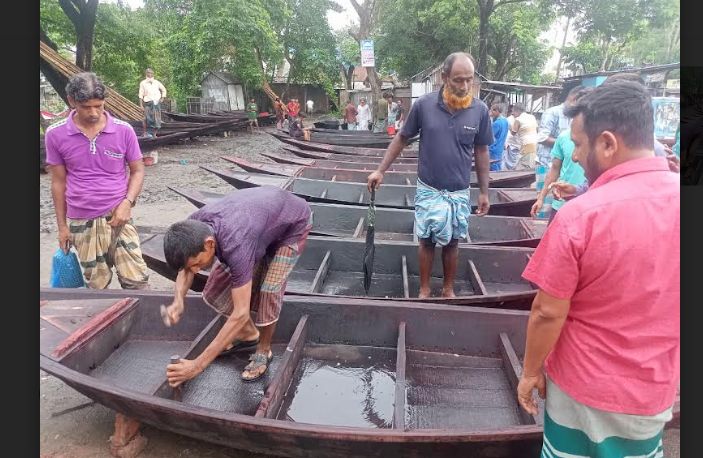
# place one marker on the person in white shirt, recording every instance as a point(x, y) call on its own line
point(151, 91)
point(525, 127)
point(309, 104)
point(363, 116)
point(511, 154)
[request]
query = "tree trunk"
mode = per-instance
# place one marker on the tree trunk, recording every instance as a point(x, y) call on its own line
point(485, 8)
point(368, 13)
point(82, 14)
point(561, 52)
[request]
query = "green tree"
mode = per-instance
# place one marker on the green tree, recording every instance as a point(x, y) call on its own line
point(348, 55)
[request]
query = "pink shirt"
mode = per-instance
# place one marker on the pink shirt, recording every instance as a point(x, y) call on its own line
point(96, 171)
point(614, 251)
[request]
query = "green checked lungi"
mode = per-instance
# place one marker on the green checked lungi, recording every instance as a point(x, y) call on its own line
point(574, 430)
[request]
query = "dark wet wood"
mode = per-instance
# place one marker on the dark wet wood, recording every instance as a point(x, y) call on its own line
point(342, 149)
point(406, 288)
point(321, 274)
point(271, 403)
point(475, 278)
point(400, 164)
point(513, 369)
point(399, 406)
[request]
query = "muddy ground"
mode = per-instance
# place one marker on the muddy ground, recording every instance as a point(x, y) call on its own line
point(84, 432)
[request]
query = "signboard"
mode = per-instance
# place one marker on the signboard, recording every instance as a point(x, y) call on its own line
point(367, 57)
point(666, 116)
point(673, 84)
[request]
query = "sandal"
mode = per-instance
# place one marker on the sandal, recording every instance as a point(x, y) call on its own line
point(240, 345)
point(256, 361)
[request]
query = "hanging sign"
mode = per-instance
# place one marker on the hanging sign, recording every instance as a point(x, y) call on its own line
point(367, 57)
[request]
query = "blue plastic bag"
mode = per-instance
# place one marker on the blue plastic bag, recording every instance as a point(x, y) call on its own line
point(66, 271)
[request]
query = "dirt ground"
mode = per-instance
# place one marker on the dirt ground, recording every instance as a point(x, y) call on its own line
point(84, 431)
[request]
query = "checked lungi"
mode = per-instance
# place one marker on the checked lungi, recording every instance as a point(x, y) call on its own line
point(441, 215)
point(574, 430)
point(100, 247)
point(152, 114)
point(268, 284)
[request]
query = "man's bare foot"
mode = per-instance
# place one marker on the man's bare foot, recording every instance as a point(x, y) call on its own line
point(448, 292)
point(424, 293)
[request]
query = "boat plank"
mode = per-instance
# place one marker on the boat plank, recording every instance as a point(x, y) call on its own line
point(273, 397)
point(359, 228)
point(406, 288)
point(513, 369)
point(321, 274)
point(475, 279)
point(400, 388)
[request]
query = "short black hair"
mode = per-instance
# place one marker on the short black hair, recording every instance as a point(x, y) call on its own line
point(85, 86)
point(625, 76)
point(577, 91)
point(184, 240)
point(621, 107)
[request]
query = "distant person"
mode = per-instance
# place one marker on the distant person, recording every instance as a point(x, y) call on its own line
point(280, 109)
point(392, 113)
point(257, 235)
point(87, 154)
point(293, 108)
point(363, 118)
point(511, 154)
point(252, 113)
point(309, 106)
point(297, 130)
point(401, 115)
point(500, 132)
point(151, 91)
point(605, 354)
point(381, 113)
point(525, 127)
point(350, 114)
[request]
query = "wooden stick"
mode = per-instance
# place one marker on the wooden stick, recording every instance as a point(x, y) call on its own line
point(475, 279)
point(513, 369)
point(406, 288)
point(359, 228)
point(321, 273)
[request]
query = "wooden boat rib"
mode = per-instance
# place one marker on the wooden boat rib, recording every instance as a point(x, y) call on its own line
point(370, 366)
point(487, 276)
point(325, 148)
point(508, 179)
point(504, 201)
point(334, 220)
point(349, 157)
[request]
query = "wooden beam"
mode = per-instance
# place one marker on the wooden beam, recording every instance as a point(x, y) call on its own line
point(273, 397)
point(324, 194)
point(529, 233)
point(513, 369)
point(408, 182)
point(475, 279)
point(400, 388)
point(321, 273)
point(361, 197)
point(468, 236)
point(415, 239)
point(406, 288)
point(407, 200)
point(359, 228)
point(334, 178)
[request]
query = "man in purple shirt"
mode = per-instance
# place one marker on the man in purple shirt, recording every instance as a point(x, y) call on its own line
point(88, 154)
point(257, 234)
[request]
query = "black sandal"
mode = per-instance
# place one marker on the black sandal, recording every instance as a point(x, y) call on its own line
point(240, 345)
point(257, 360)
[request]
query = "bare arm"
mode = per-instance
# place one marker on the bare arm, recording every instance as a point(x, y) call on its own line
point(394, 149)
point(483, 160)
point(544, 325)
point(123, 212)
point(58, 194)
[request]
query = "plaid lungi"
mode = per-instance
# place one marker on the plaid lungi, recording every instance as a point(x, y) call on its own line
point(267, 288)
point(575, 430)
point(152, 113)
point(100, 247)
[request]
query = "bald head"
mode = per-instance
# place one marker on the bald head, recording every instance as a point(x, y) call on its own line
point(459, 58)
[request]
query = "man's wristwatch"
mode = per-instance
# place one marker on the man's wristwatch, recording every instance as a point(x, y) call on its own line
point(131, 202)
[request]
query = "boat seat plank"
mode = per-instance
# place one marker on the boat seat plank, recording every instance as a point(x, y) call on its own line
point(513, 369)
point(359, 228)
point(273, 397)
point(323, 194)
point(93, 327)
point(475, 279)
point(529, 233)
point(321, 274)
point(415, 239)
point(408, 201)
point(408, 182)
point(468, 237)
point(361, 197)
point(406, 287)
point(400, 388)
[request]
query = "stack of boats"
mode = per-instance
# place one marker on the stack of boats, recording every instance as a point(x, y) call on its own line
point(354, 374)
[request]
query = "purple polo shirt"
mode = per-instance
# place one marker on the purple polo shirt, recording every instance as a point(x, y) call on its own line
point(96, 171)
point(447, 140)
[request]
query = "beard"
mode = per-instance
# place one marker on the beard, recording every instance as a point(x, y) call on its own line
point(455, 102)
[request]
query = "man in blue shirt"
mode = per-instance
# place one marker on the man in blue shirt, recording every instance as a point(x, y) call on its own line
point(500, 133)
point(454, 127)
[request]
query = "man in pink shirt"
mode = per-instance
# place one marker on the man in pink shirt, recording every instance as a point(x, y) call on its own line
point(603, 336)
point(88, 154)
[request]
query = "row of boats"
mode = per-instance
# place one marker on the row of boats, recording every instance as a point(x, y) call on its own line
point(354, 374)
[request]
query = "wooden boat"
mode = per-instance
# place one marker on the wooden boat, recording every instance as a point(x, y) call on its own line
point(487, 276)
point(349, 378)
point(504, 201)
point(404, 158)
point(364, 141)
point(333, 220)
point(327, 124)
point(337, 149)
point(331, 164)
point(508, 179)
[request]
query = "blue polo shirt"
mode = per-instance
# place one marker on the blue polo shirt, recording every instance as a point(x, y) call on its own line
point(447, 140)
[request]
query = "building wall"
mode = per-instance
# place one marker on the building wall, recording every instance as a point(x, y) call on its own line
point(304, 92)
point(214, 87)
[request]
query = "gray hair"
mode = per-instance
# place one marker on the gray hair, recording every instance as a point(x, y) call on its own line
point(449, 61)
point(85, 86)
point(519, 107)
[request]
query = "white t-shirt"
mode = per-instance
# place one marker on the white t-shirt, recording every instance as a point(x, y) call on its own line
point(528, 129)
point(512, 140)
point(151, 90)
